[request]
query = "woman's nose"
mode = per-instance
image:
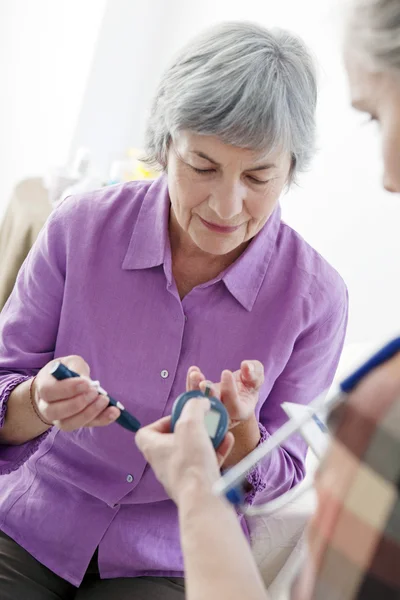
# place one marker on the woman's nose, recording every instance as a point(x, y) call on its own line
point(227, 201)
point(391, 151)
point(391, 184)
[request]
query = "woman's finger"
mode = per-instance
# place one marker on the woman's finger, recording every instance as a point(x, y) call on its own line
point(76, 363)
point(191, 370)
point(52, 390)
point(108, 416)
point(63, 409)
point(194, 378)
point(230, 395)
point(252, 373)
point(88, 415)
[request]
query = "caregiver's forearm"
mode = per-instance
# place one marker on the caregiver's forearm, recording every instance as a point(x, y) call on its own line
point(217, 557)
point(21, 422)
point(247, 436)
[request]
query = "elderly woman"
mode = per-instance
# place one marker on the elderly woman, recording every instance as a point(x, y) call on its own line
point(138, 283)
point(354, 539)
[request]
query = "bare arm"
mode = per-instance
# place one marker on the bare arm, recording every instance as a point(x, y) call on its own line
point(217, 557)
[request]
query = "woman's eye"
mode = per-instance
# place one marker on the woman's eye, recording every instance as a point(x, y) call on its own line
point(257, 181)
point(203, 171)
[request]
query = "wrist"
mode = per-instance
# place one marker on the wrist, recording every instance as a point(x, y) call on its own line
point(247, 436)
point(193, 502)
point(196, 488)
point(33, 401)
point(248, 429)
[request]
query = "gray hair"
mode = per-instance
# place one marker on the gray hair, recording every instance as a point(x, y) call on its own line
point(374, 32)
point(251, 87)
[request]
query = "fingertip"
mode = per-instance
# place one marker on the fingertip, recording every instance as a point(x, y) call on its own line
point(248, 369)
point(226, 375)
point(228, 382)
point(193, 369)
point(195, 380)
point(195, 407)
point(113, 413)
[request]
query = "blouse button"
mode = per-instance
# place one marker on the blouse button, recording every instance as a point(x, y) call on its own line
point(129, 478)
point(164, 374)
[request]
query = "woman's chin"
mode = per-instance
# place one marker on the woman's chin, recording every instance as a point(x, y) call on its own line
point(217, 247)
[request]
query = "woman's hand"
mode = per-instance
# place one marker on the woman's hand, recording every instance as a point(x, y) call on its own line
point(184, 461)
point(71, 403)
point(238, 391)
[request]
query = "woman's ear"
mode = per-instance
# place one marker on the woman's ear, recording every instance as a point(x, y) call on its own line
point(292, 172)
point(165, 156)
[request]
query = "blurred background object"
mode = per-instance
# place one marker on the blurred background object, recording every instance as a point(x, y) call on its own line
point(130, 168)
point(27, 211)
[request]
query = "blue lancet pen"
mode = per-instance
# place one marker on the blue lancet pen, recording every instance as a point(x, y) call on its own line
point(126, 420)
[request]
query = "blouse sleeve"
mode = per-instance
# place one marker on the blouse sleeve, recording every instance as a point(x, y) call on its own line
point(308, 373)
point(29, 324)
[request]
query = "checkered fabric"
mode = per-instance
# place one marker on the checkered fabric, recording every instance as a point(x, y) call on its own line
point(354, 538)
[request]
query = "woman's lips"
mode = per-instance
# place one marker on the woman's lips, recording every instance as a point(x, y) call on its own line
point(219, 228)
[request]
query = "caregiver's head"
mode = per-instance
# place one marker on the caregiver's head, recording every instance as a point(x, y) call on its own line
point(232, 123)
point(373, 63)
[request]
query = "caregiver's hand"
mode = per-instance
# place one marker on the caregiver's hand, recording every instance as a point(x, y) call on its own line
point(71, 403)
point(184, 461)
point(237, 390)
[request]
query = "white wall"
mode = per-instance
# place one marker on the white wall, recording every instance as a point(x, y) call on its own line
point(125, 70)
point(46, 47)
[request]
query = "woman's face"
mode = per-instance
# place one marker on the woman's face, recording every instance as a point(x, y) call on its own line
point(378, 94)
point(222, 195)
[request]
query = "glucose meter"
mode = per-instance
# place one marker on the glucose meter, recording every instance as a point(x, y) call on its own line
point(216, 419)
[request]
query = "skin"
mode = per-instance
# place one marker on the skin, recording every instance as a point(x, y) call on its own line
point(212, 542)
point(378, 95)
point(232, 188)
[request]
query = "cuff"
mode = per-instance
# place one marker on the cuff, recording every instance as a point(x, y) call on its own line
point(11, 385)
point(12, 457)
point(255, 482)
